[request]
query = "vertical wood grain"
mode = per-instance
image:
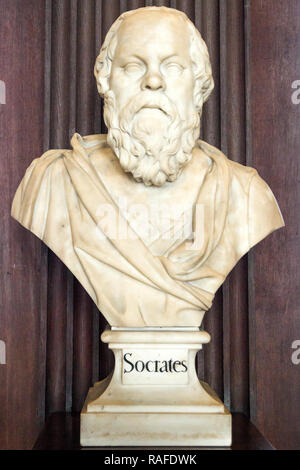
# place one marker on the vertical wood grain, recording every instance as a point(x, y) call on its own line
point(42, 354)
point(106, 355)
point(21, 261)
point(275, 275)
point(70, 277)
point(109, 15)
point(98, 43)
point(57, 309)
point(84, 124)
point(85, 66)
point(187, 7)
point(233, 144)
point(134, 4)
point(83, 346)
point(213, 321)
point(161, 3)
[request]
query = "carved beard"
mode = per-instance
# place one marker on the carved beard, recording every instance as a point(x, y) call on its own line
point(149, 138)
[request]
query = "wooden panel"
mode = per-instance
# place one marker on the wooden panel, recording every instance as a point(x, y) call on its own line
point(161, 3)
point(186, 6)
point(98, 42)
point(22, 37)
point(56, 374)
point(233, 144)
point(83, 346)
point(109, 15)
point(134, 4)
point(211, 132)
point(85, 113)
point(85, 67)
point(275, 275)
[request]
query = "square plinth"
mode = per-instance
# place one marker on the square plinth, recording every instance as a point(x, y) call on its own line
point(154, 429)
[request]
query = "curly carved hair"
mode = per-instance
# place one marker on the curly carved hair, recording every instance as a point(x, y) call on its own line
point(204, 82)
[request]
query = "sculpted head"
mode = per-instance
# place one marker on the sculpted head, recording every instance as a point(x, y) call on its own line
point(154, 73)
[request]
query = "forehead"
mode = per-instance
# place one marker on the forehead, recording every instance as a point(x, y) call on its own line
point(153, 33)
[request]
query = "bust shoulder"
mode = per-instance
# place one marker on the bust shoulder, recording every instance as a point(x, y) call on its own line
point(251, 202)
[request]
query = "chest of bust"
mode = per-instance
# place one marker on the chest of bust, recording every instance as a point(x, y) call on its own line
point(160, 216)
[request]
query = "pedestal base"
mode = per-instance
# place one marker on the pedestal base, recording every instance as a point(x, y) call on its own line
point(154, 429)
point(154, 397)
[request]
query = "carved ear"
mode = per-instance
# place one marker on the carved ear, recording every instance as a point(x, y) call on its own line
point(207, 87)
point(101, 72)
point(104, 60)
point(203, 88)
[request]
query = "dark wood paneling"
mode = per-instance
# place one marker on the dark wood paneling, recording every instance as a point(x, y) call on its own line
point(134, 4)
point(161, 3)
point(210, 31)
point(275, 274)
point(211, 132)
point(186, 6)
point(98, 43)
point(60, 24)
point(233, 144)
point(85, 113)
point(22, 37)
point(56, 335)
point(85, 66)
point(109, 15)
point(83, 346)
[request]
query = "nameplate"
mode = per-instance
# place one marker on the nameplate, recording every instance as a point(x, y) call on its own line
point(155, 366)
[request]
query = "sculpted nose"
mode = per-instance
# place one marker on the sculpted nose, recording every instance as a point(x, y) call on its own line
point(153, 81)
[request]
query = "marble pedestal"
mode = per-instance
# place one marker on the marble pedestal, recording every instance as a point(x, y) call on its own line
point(154, 397)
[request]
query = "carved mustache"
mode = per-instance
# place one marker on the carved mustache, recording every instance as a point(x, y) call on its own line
point(148, 100)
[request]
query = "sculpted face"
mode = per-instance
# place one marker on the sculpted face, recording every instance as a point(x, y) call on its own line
point(149, 109)
point(153, 55)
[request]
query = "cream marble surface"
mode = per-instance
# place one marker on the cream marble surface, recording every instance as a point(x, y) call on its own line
point(148, 218)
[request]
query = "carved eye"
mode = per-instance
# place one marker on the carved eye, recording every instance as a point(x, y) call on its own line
point(134, 68)
point(173, 69)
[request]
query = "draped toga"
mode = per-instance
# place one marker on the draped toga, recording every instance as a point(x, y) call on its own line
point(135, 281)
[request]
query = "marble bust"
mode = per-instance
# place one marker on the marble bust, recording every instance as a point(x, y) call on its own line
point(149, 218)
